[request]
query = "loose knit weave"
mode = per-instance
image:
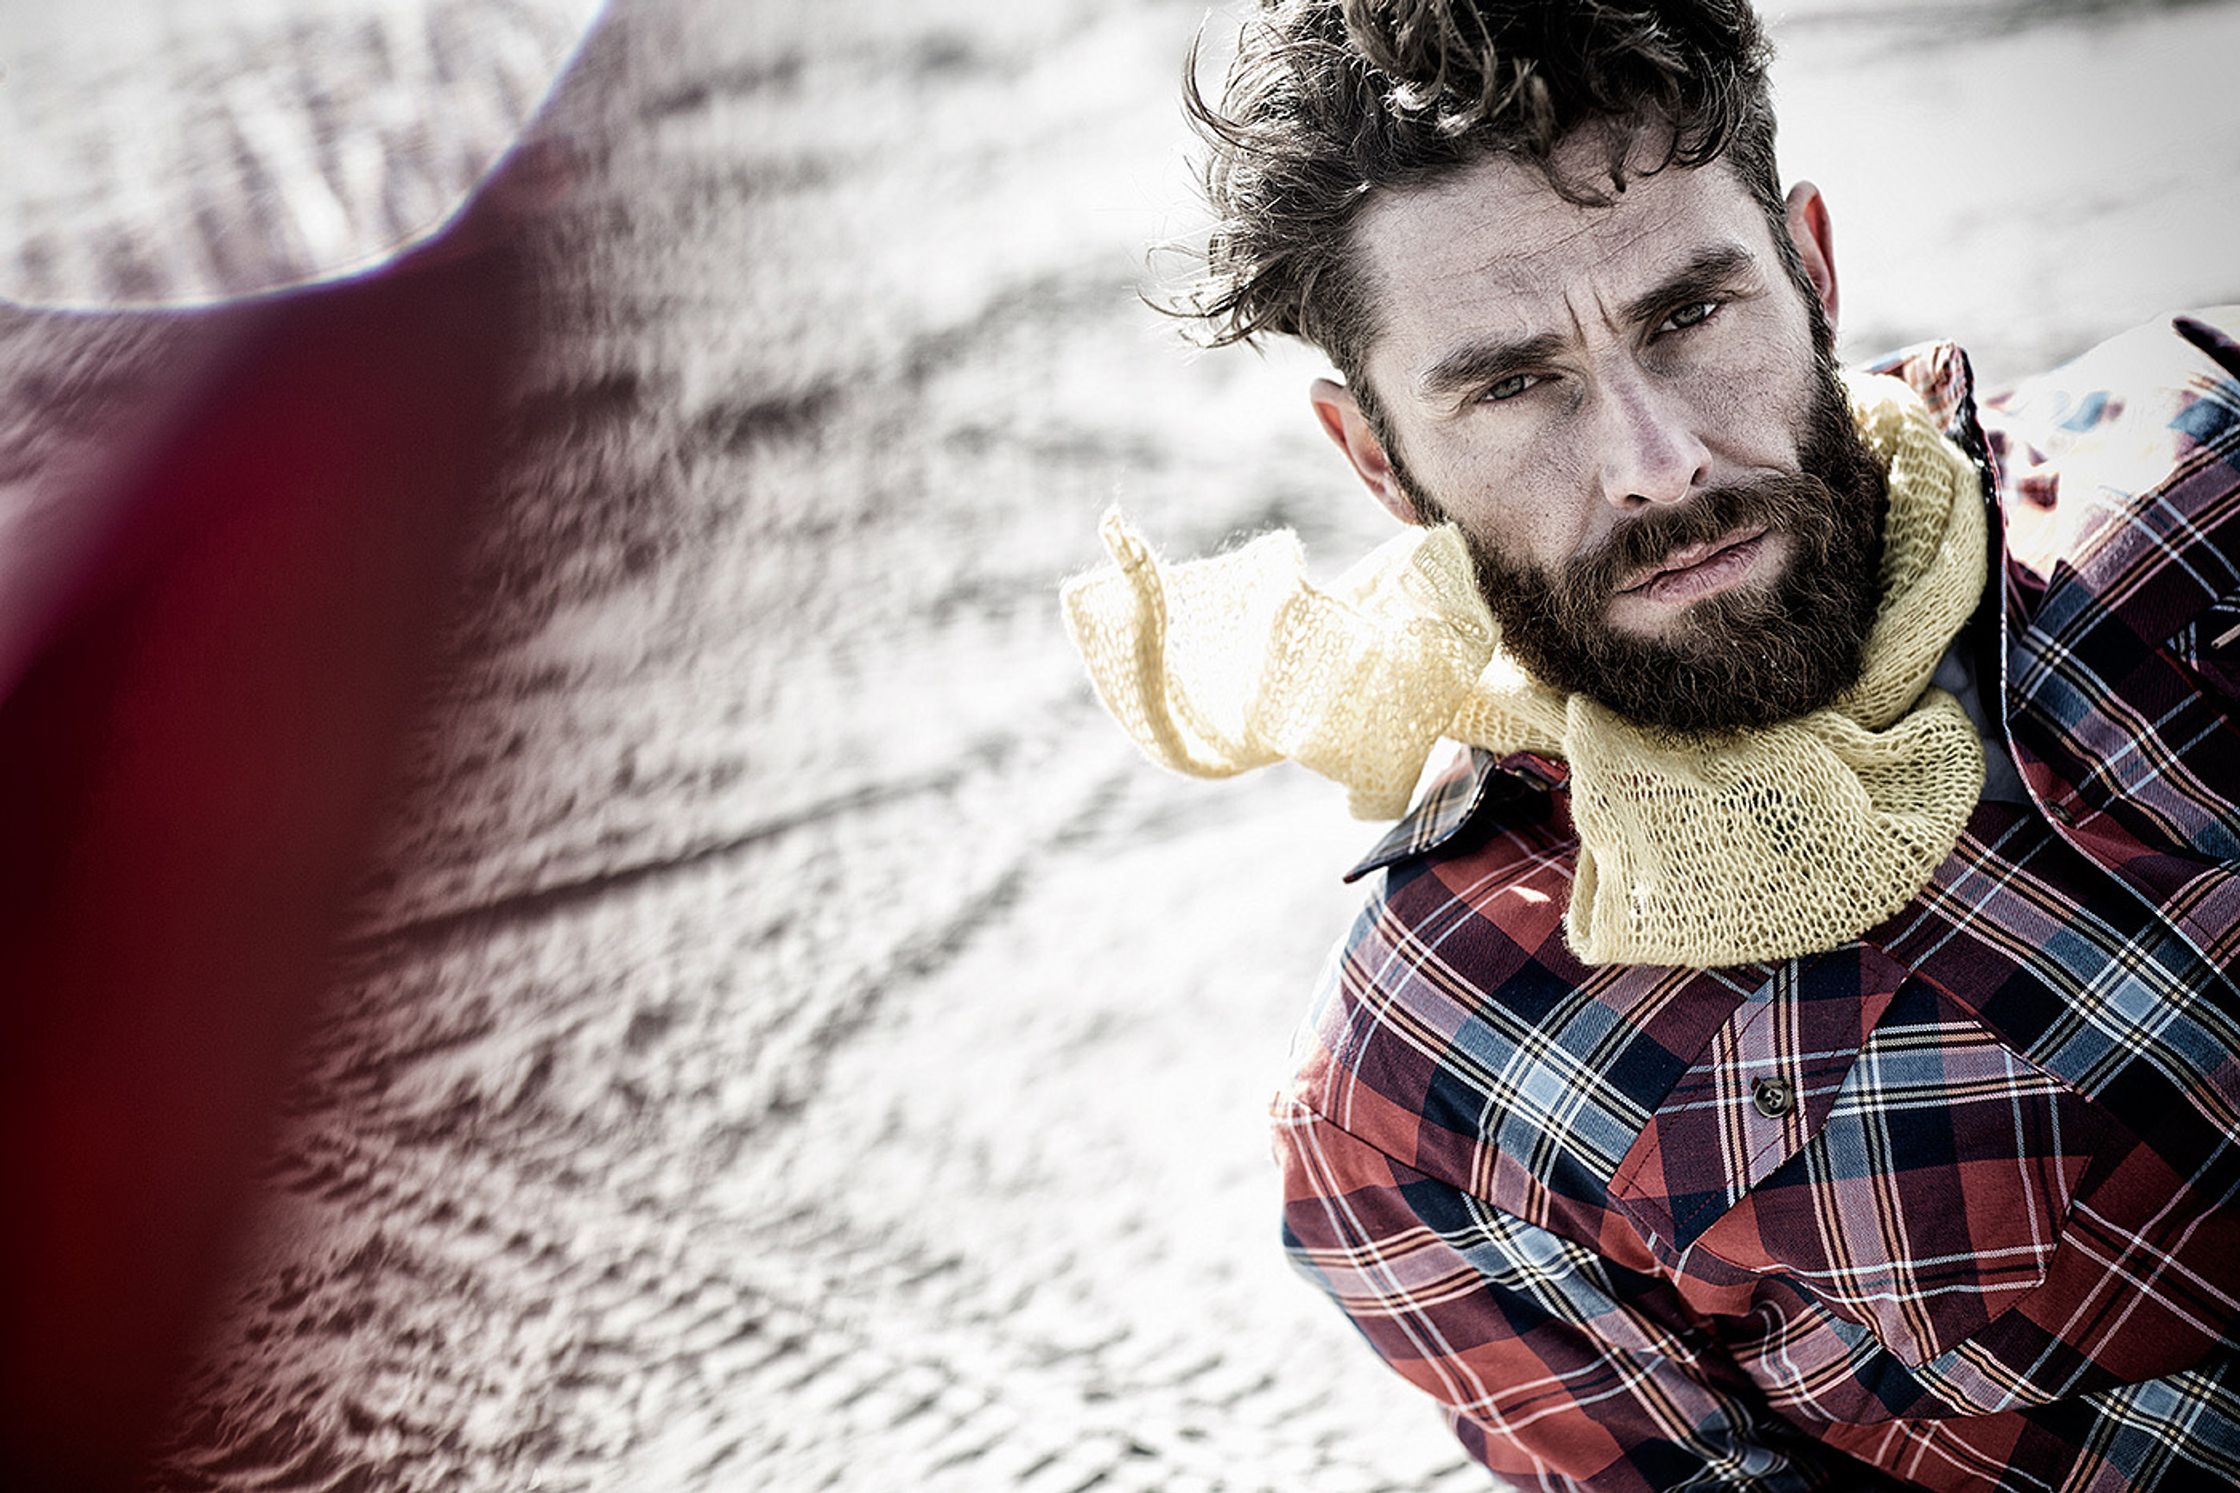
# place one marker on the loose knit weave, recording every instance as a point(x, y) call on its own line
point(1702, 851)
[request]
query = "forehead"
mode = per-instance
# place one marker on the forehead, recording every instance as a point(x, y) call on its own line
point(1493, 249)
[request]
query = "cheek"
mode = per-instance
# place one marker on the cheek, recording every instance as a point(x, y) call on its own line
point(1535, 513)
point(1533, 526)
point(1752, 402)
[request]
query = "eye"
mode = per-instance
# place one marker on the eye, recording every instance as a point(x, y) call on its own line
point(1694, 314)
point(1508, 388)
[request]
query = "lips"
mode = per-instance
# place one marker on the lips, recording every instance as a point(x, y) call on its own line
point(1690, 561)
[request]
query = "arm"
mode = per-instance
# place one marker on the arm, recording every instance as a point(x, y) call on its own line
point(1556, 1367)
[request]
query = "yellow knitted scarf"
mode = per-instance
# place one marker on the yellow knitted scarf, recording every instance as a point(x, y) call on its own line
point(1704, 851)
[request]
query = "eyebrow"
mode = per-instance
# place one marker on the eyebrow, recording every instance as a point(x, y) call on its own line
point(1708, 273)
point(1479, 363)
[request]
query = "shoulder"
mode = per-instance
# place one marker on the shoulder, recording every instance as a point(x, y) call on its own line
point(1455, 1031)
point(1468, 890)
point(2120, 482)
point(2121, 467)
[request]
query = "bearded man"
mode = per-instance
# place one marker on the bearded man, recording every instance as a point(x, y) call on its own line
point(1798, 1044)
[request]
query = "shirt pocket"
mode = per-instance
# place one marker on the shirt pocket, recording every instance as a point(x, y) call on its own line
point(1913, 1181)
point(1931, 1197)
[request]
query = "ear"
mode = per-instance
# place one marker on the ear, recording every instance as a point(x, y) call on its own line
point(1341, 419)
point(1809, 230)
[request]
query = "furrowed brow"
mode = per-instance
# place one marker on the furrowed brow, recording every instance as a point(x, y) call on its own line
point(1478, 363)
point(1713, 272)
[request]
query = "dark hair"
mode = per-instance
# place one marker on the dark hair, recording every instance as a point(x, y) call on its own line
point(1329, 101)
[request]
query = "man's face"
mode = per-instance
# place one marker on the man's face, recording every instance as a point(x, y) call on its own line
point(1628, 413)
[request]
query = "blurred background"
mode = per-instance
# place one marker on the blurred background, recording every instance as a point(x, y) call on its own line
point(786, 1040)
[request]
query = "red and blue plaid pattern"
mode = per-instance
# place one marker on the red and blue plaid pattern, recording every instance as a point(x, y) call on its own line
point(1956, 1205)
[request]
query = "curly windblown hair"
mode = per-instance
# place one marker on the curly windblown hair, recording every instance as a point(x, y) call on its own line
point(1329, 100)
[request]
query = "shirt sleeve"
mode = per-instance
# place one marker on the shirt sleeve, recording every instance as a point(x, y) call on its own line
point(1557, 1368)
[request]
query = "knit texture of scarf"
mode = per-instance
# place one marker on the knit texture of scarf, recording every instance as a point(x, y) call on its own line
point(1710, 850)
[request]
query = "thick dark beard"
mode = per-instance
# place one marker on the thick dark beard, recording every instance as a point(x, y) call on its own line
point(1742, 658)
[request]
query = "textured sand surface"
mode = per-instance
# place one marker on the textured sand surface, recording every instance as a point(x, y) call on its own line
point(180, 150)
point(793, 1044)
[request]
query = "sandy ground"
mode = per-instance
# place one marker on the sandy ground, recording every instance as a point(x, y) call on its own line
point(794, 1044)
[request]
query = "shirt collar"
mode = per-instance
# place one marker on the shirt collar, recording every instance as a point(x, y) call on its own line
point(1477, 779)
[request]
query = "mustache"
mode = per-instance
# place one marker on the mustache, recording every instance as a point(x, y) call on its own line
point(1797, 504)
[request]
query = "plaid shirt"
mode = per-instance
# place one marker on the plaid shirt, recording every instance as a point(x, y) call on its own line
point(1950, 1206)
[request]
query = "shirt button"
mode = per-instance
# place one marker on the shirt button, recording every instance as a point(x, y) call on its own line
point(1774, 1097)
point(2060, 814)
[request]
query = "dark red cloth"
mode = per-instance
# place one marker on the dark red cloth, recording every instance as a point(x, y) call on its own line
point(206, 674)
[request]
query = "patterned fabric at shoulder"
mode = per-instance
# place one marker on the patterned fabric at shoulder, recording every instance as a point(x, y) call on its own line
point(1457, 1030)
point(2123, 497)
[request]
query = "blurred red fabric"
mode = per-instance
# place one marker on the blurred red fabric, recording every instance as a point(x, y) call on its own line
point(206, 677)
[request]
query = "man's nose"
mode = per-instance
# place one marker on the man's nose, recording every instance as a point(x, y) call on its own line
point(1651, 453)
